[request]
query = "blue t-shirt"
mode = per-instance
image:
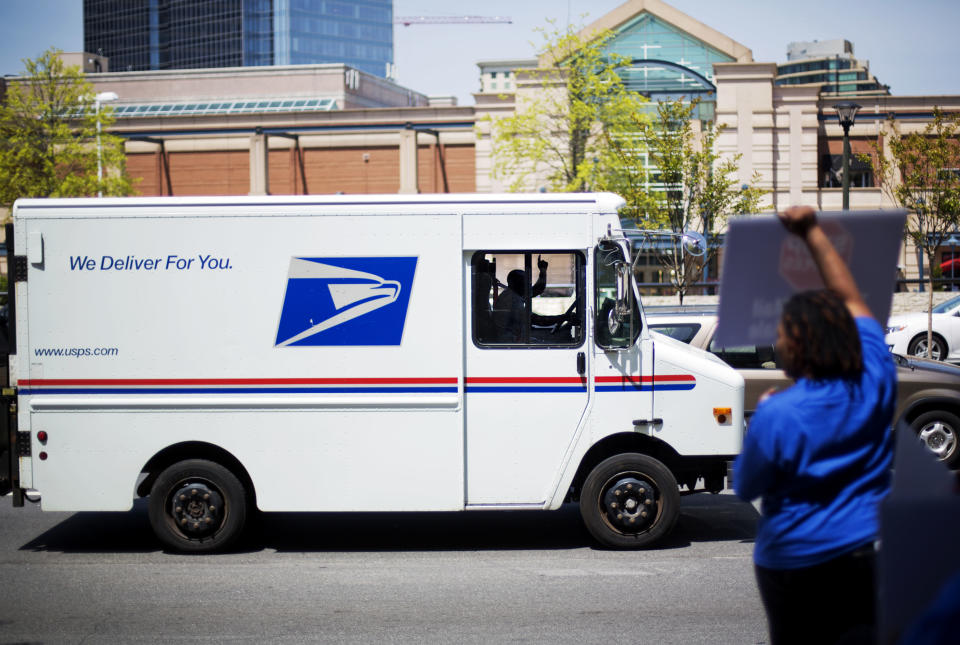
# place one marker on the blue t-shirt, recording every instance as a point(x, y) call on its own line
point(818, 455)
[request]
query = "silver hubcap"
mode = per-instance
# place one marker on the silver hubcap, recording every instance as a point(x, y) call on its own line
point(939, 438)
point(921, 350)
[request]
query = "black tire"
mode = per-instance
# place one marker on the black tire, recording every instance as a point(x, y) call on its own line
point(629, 501)
point(918, 347)
point(198, 506)
point(939, 431)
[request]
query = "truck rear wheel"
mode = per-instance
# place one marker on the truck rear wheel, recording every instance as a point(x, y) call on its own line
point(629, 501)
point(197, 506)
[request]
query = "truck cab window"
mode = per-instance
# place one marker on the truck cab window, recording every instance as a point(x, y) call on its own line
point(528, 299)
point(613, 329)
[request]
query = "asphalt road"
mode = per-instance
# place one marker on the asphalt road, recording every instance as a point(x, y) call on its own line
point(517, 577)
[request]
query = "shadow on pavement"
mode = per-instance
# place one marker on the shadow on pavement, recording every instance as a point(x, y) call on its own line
point(124, 532)
point(703, 518)
point(715, 518)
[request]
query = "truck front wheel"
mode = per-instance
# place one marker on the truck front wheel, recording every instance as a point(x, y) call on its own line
point(629, 501)
point(197, 506)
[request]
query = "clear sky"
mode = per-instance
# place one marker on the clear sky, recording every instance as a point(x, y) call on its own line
point(911, 45)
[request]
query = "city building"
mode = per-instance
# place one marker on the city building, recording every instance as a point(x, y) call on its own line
point(830, 66)
point(497, 76)
point(139, 35)
point(293, 129)
point(334, 128)
point(670, 55)
point(87, 62)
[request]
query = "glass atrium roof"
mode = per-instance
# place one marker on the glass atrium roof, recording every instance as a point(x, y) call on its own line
point(648, 37)
point(239, 106)
point(649, 76)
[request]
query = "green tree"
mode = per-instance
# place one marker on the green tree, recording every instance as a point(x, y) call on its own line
point(555, 138)
point(686, 186)
point(920, 171)
point(48, 136)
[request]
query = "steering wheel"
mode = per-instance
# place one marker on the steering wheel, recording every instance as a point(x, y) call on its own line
point(567, 320)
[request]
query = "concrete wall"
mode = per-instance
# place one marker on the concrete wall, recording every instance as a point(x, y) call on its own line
point(351, 88)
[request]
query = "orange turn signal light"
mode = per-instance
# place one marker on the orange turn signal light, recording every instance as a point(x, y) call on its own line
point(722, 415)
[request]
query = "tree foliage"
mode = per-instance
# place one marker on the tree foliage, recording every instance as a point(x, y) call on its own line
point(554, 140)
point(48, 136)
point(920, 171)
point(685, 186)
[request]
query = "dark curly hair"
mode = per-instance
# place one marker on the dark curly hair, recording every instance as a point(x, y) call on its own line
point(819, 338)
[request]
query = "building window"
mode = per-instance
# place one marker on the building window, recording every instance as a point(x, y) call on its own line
point(831, 172)
point(948, 267)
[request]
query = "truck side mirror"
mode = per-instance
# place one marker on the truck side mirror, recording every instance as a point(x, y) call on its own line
point(622, 309)
point(694, 244)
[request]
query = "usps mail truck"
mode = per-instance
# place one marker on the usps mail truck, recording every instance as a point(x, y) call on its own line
point(223, 356)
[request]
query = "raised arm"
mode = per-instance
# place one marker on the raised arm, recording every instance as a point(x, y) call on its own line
point(541, 284)
point(802, 221)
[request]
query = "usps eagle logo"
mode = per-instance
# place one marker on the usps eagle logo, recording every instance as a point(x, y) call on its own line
point(346, 301)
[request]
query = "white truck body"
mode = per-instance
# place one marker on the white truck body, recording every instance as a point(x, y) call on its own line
point(328, 348)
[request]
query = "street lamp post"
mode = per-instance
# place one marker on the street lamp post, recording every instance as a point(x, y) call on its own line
point(847, 112)
point(102, 97)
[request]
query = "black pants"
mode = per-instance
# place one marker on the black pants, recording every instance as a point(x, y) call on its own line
point(831, 602)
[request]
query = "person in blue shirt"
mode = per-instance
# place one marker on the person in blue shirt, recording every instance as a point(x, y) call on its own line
point(818, 455)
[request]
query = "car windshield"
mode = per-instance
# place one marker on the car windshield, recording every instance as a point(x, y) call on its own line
point(684, 332)
point(947, 306)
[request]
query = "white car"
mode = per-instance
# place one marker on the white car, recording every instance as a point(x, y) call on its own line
point(907, 333)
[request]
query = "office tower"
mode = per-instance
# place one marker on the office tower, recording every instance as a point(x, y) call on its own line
point(184, 34)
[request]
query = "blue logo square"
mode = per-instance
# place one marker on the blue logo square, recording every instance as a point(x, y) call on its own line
point(346, 301)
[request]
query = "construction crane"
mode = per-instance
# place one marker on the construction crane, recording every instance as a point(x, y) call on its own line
point(406, 21)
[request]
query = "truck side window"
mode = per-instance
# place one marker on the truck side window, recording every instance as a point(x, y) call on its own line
point(528, 299)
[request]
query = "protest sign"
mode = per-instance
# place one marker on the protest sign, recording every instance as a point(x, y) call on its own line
point(764, 264)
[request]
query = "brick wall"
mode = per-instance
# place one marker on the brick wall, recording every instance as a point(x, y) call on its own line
point(350, 170)
point(223, 172)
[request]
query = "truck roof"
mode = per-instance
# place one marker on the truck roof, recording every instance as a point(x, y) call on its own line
point(529, 203)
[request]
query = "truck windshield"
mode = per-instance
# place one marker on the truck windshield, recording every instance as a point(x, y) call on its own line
point(612, 331)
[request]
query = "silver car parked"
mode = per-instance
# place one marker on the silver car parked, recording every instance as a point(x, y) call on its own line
point(928, 392)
